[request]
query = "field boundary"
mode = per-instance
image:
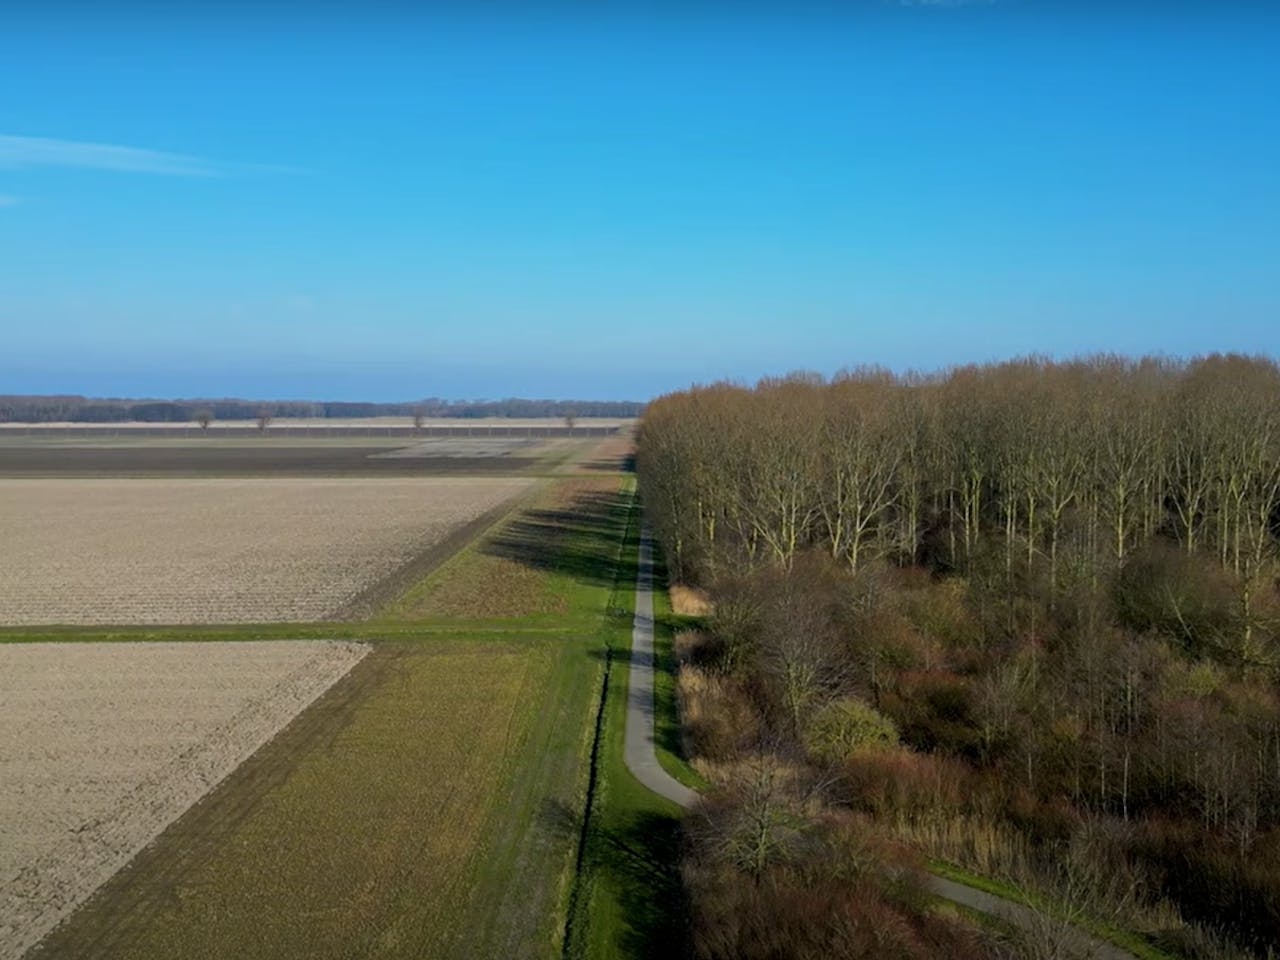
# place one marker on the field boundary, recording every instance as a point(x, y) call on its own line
point(373, 599)
point(107, 846)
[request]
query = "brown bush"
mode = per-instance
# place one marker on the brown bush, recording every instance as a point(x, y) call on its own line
point(903, 783)
point(717, 715)
point(1185, 597)
point(1213, 883)
point(934, 709)
point(852, 894)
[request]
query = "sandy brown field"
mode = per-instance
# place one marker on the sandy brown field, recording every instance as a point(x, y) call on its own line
point(176, 551)
point(103, 745)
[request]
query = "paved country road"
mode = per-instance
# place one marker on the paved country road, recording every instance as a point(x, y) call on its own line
point(638, 749)
point(642, 761)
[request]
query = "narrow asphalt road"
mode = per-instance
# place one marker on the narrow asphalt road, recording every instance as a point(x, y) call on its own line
point(638, 750)
point(642, 761)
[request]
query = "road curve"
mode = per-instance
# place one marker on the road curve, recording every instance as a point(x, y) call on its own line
point(638, 750)
point(642, 761)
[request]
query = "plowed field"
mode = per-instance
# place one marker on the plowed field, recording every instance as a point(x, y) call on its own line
point(151, 551)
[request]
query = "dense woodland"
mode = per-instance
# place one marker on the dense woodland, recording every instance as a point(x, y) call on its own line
point(1023, 618)
point(52, 409)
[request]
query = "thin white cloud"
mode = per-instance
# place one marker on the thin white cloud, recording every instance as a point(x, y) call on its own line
point(45, 152)
point(8, 200)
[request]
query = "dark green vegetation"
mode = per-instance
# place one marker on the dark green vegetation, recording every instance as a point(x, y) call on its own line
point(449, 797)
point(1024, 618)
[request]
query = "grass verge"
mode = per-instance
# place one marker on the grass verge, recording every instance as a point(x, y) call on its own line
point(630, 901)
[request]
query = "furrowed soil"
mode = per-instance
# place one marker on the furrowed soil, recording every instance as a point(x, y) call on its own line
point(222, 551)
point(106, 744)
point(267, 458)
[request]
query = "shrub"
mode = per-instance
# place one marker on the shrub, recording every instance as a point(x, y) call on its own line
point(903, 783)
point(845, 727)
point(849, 893)
point(717, 717)
point(1186, 597)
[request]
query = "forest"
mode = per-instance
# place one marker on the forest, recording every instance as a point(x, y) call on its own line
point(1019, 619)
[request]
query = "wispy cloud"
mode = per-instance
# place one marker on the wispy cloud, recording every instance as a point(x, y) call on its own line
point(45, 152)
point(8, 200)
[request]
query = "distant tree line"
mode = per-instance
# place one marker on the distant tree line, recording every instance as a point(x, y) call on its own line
point(77, 409)
point(1024, 616)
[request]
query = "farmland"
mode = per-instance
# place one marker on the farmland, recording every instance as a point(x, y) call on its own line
point(106, 744)
point(431, 802)
point(219, 550)
point(356, 832)
point(127, 454)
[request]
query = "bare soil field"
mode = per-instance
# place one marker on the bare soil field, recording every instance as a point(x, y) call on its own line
point(451, 447)
point(158, 457)
point(104, 745)
point(148, 551)
point(320, 423)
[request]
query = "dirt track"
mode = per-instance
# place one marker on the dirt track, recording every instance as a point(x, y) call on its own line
point(104, 745)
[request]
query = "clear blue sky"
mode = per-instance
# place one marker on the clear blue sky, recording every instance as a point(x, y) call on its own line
point(331, 202)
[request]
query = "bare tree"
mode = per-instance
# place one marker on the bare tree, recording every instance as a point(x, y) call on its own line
point(860, 457)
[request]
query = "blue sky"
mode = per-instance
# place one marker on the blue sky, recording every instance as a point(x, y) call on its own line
point(332, 202)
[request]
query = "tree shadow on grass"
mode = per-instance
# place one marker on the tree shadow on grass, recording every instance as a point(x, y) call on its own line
point(638, 860)
point(623, 464)
point(580, 541)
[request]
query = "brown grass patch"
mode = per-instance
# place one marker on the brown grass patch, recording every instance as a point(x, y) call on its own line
point(717, 719)
point(689, 601)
